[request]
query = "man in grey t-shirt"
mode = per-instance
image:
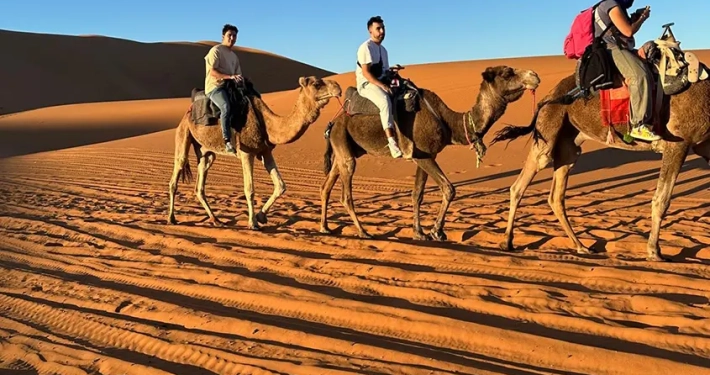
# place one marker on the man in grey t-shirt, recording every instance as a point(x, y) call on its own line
point(621, 43)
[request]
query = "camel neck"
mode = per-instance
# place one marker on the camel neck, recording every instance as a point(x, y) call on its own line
point(474, 122)
point(287, 129)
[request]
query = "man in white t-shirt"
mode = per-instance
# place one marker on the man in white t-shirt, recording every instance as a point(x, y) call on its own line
point(372, 63)
point(221, 63)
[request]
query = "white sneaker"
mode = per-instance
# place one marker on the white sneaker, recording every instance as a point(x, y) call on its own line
point(395, 151)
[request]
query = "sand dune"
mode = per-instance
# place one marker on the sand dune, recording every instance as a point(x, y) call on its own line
point(46, 70)
point(92, 280)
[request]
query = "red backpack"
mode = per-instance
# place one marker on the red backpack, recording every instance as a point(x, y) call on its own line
point(581, 33)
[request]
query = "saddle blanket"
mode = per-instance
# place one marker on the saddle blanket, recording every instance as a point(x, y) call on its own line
point(615, 104)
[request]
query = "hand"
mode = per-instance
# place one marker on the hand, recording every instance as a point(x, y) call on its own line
point(237, 77)
point(386, 88)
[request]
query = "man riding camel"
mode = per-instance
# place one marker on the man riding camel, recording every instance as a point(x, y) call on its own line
point(372, 65)
point(221, 63)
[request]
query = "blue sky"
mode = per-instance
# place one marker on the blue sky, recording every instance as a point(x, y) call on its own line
point(326, 33)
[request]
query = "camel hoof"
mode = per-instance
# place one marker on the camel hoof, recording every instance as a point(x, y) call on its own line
point(438, 235)
point(419, 236)
point(217, 223)
point(585, 251)
point(657, 258)
point(325, 230)
point(261, 218)
point(507, 246)
point(365, 236)
point(171, 220)
point(254, 227)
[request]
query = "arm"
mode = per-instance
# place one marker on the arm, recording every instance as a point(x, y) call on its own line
point(623, 24)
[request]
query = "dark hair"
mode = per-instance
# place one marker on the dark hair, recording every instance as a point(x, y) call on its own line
point(374, 19)
point(229, 27)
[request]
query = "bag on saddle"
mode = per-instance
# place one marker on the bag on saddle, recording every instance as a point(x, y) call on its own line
point(581, 33)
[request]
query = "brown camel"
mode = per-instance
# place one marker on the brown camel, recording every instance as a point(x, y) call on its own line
point(564, 126)
point(428, 130)
point(262, 131)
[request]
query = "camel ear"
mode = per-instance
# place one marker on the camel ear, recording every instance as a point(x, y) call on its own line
point(305, 81)
point(489, 75)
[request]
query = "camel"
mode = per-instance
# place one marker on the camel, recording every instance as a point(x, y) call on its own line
point(429, 130)
point(258, 137)
point(564, 125)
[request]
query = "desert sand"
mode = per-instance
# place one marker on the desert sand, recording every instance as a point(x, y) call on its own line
point(93, 280)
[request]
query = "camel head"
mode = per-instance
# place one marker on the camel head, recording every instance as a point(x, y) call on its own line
point(501, 85)
point(509, 83)
point(319, 91)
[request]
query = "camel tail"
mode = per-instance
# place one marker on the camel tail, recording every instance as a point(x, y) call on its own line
point(183, 141)
point(512, 132)
point(328, 155)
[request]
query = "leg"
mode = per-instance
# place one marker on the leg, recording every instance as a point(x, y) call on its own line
point(537, 160)
point(279, 185)
point(635, 71)
point(383, 102)
point(448, 192)
point(206, 161)
point(248, 174)
point(673, 158)
point(181, 167)
point(417, 196)
point(325, 190)
point(347, 169)
point(221, 99)
point(566, 154)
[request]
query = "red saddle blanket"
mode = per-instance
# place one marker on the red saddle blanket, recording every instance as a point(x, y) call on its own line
point(615, 106)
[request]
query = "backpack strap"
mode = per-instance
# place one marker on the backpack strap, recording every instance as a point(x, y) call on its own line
point(599, 21)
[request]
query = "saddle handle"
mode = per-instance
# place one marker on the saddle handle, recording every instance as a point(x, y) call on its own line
point(667, 30)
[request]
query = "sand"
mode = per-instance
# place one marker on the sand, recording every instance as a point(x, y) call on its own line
point(92, 280)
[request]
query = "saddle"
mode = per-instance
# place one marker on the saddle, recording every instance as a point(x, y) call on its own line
point(404, 93)
point(204, 112)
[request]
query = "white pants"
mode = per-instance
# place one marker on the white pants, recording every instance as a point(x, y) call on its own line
point(381, 100)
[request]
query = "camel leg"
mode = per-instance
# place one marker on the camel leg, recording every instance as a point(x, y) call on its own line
point(673, 158)
point(536, 161)
point(248, 174)
point(417, 197)
point(347, 169)
point(325, 191)
point(448, 192)
point(566, 153)
point(204, 165)
point(180, 168)
point(279, 185)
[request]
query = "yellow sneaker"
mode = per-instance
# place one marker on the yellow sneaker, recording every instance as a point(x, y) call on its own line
point(643, 132)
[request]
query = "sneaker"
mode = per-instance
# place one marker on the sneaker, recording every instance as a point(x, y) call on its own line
point(395, 151)
point(230, 148)
point(693, 67)
point(644, 132)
